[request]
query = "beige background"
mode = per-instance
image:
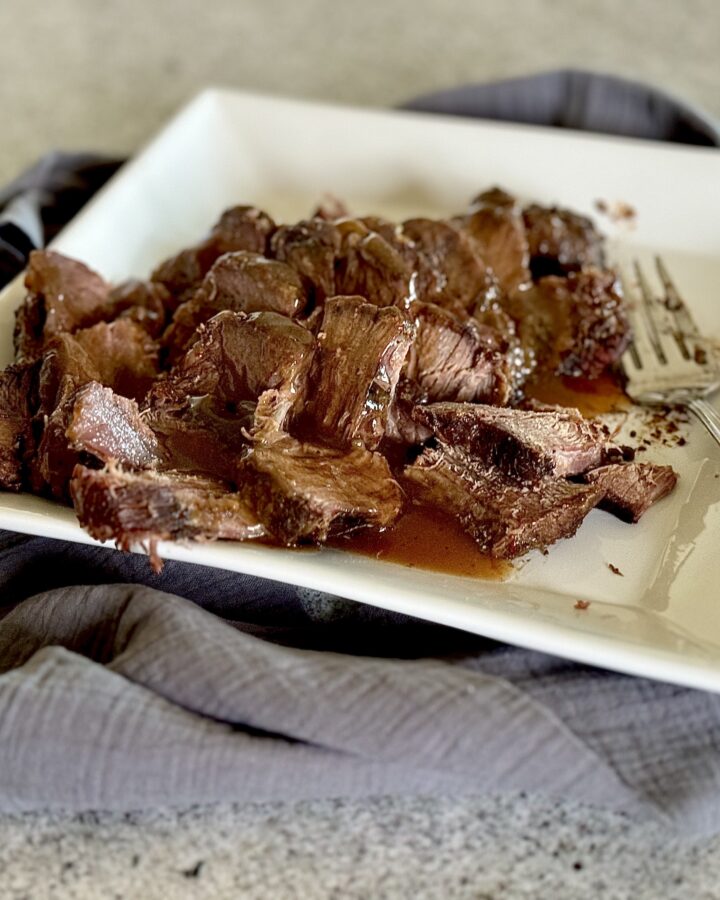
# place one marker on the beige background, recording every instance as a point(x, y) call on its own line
point(104, 74)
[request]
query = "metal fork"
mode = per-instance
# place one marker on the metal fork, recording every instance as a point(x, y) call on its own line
point(668, 362)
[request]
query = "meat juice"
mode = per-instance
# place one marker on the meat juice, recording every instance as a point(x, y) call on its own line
point(428, 538)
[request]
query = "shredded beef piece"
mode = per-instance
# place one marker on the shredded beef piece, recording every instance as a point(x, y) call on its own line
point(360, 352)
point(450, 270)
point(146, 507)
point(237, 357)
point(522, 442)
point(369, 266)
point(241, 282)
point(239, 228)
point(124, 355)
point(63, 295)
point(109, 427)
point(632, 488)
point(303, 493)
point(561, 241)
point(450, 360)
point(18, 401)
point(202, 436)
point(495, 222)
point(145, 302)
point(506, 517)
point(119, 355)
point(575, 325)
point(310, 247)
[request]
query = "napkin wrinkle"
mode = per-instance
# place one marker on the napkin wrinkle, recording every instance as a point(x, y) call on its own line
point(426, 715)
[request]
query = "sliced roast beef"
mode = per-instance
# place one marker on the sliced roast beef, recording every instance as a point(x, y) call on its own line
point(372, 267)
point(495, 223)
point(237, 357)
point(630, 489)
point(574, 325)
point(109, 427)
point(450, 270)
point(360, 352)
point(522, 442)
point(303, 493)
point(119, 355)
point(145, 507)
point(201, 436)
point(18, 402)
point(93, 425)
point(450, 360)
point(124, 355)
point(310, 247)
point(561, 241)
point(241, 282)
point(145, 302)
point(239, 228)
point(63, 295)
point(506, 516)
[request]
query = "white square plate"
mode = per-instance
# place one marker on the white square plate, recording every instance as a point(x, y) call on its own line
point(662, 618)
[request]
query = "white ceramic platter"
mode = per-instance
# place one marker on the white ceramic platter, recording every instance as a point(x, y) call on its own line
point(662, 618)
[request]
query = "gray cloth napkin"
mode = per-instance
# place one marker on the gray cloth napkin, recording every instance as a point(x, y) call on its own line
point(122, 689)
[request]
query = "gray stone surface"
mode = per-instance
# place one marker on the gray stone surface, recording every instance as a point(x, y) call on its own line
point(83, 74)
point(498, 848)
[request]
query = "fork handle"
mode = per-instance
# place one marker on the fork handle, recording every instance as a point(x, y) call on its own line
point(707, 414)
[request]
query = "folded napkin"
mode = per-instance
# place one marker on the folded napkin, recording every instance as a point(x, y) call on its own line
point(121, 689)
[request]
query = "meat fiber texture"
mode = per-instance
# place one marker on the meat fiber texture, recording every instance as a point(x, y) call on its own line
point(278, 380)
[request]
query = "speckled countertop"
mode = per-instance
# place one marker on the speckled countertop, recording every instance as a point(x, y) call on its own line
point(77, 74)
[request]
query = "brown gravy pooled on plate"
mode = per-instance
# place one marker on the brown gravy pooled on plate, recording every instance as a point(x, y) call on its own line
point(592, 398)
point(427, 538)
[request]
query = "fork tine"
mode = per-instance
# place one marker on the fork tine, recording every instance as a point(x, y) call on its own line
point(649, 313)
point(640, 347)
point(675, 303)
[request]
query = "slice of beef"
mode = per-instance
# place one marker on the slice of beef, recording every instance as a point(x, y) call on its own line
point(303, 493)
point(92, 425)
point(632, 488)
point(310, 247)
point(109, 427)
point(521, 442)
point(495, 223)
point(574, 325)
point(145, 507)
point(360, 352)
point(402, 427)
point(450, 360)
point(239, 228)
point(506, 517)
point(368, 265)
point(145, 302)
point(561, 241)
point(124, 355)
point(63, 295)
point(66, 366)
point(119, 355)
point(201, 436)
point(450, 270)
point(18, 402)
point(241, 282)
point(237, 357)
